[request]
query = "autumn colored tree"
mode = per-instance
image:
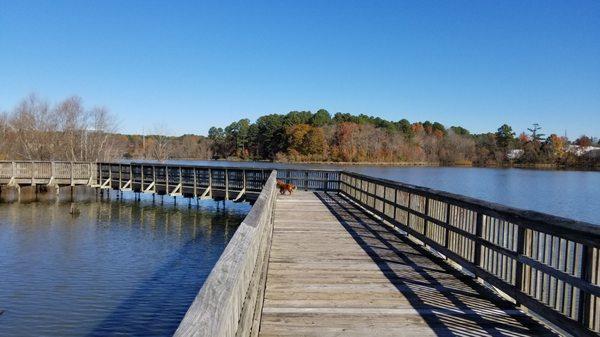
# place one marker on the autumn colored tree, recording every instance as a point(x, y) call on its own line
point(314, 142)
point(557, 145)
point(523, 138)
point(296, 137)
point(584, 141)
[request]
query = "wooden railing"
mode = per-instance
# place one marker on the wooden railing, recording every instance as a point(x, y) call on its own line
point(46, 172)
point(314, 180)
point(188, 180)
point(230, 301)
point(548, 264)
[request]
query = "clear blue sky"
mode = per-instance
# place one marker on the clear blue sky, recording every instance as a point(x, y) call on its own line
point(191, 65)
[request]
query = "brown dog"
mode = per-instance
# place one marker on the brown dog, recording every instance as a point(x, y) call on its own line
point(285, 187)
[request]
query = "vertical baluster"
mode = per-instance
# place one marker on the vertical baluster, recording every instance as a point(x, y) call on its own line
point(142, 180)
point(395, 205)
point(210, 182)
point(195, 184)
point(584, 304)
point(520, 252)
point(478, 228)
point(154, 178)
point(167, 178)
point(226, 184)
point(426, 214)
point(306, 180)
point(447, 221)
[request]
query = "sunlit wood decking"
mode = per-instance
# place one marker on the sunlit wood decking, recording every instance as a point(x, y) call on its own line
point(335, 271)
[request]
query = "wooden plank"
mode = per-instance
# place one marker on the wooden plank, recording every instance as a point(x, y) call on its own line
point(334, 271)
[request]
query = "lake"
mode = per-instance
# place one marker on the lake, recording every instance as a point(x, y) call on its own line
point(570, 194)
point(119, 268)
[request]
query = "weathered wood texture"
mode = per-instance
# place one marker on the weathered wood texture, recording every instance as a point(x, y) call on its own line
point(226, 304)
point(334, 271)
point(548, 264)
point(46, 173)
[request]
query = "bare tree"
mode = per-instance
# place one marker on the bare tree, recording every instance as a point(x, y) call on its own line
point(73, 124)
point(5, 140)
point(99, 142)
point(65, 132)
point(34, 127)
point(159, 144)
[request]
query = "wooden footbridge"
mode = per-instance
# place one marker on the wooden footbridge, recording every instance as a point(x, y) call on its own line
point(352, 255)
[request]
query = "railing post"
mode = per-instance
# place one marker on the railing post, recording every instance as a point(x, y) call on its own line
point(478, 233)
point(519, 264)
point(426, 213)
point(383, 207)
point(326, 181)
point(410, 209)
point(210, 183)
point(306, 180)
point(584, 304)
point(447, 238)
point(73, 182)
point(395, 204)
point(167, 179)
point(142, 180)
point(195, 184)
point(244, 179)
point(99, 173)
point(226, 184)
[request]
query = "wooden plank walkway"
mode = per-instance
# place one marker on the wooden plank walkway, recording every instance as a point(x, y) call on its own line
point(334, 271)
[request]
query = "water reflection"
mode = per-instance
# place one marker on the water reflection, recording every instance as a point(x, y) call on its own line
point(119, 267)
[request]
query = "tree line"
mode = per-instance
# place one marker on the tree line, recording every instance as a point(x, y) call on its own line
point(306, 136)
point(36, 130)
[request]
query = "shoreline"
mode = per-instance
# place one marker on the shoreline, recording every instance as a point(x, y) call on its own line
point(538, 166)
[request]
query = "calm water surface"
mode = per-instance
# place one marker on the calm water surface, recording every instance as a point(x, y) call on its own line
point(570, 194)
point(119, 268)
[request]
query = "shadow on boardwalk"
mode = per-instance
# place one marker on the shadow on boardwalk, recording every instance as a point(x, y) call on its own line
point(451, 303)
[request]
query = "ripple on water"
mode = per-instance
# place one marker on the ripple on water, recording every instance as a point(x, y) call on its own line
point(119, 269)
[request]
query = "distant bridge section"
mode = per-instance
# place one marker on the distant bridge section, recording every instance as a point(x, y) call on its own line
point(206, 182)
point(32, 173)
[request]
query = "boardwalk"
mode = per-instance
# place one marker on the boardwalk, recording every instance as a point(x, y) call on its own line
point(333, 271)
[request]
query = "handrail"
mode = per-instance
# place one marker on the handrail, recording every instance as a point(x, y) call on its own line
point(157, 163)
point(32, 172)
point(549, 264)
point(230, 299)
point(580, 231)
